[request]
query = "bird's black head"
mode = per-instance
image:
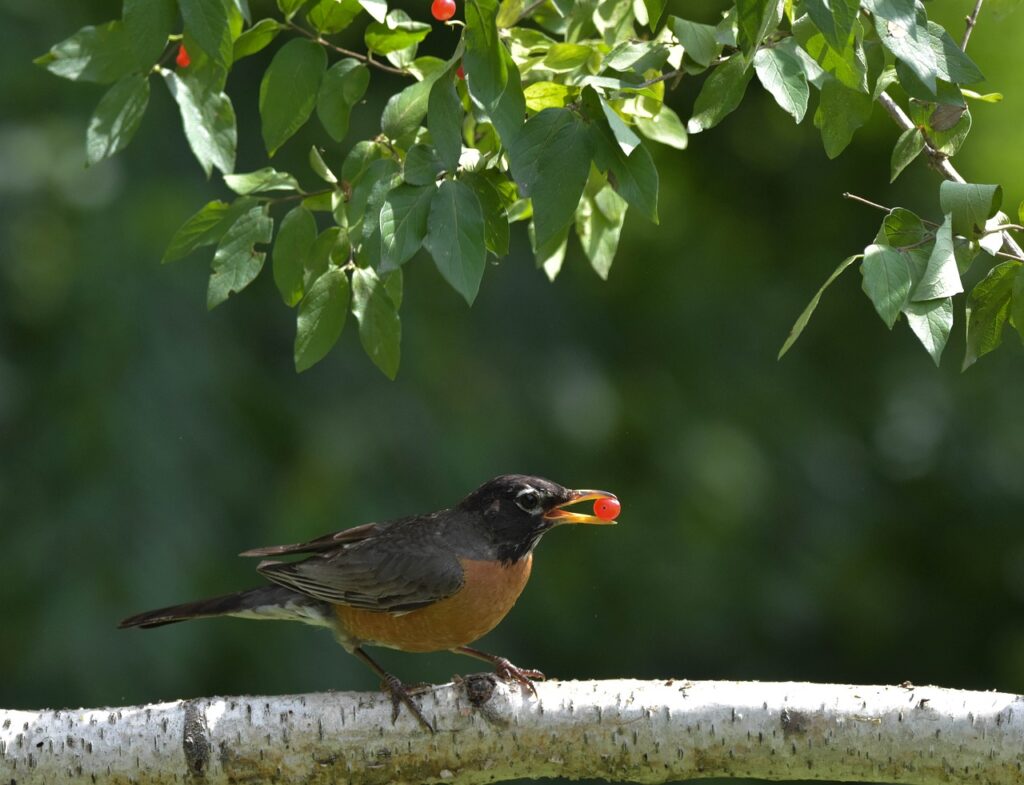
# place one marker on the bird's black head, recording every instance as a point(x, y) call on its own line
point(518, 509)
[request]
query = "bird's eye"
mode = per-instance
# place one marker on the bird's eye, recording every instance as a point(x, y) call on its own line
point(528, 500)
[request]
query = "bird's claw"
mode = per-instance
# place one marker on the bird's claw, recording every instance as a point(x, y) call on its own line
point(525, 677)
point(401, 694)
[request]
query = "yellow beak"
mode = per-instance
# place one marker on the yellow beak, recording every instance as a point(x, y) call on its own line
point(559, 515)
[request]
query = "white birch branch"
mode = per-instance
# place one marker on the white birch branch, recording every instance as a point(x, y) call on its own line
point(637, 731)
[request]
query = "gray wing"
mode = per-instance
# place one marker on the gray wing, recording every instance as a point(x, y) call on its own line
point(374, 572)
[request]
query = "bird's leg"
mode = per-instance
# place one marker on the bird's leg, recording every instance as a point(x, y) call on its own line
point(399, 693)
point(505, 669)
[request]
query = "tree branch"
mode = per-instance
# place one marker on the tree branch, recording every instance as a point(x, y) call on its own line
point(969, 23)
point(624, 730)
point(939, 162)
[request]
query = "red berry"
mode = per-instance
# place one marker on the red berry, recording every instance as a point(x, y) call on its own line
point(442, 10)
point(460, 72)
point(607, 509)
point(182, 59)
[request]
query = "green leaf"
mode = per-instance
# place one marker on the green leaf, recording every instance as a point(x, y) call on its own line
point(835, 19)
point(377, 9)
point(549, 95)
point(406, 109)
point(421, 165)
point(236, 263)
point(551, 256)
point(841, 111)
point(655, 8)
point(94, 54)
point(1017, 303)
point(290, 7)
point(908, 147)
point(971, 204)
point(209, 121)
point(319, 165)
point(381, 170)
point(380, 330)
point(332, 16)
point(624, 136)
point(288, 91)
point(321, 318)
point(805, 316)
point(665, 127)
point(904, 34)
point(294, 241)
point(551, 162)
point(444, 121)
point(455, 237)
point(636, 56)
point(331, 245)
point(941, 276)
point(117, 118)
point(265, 179)
point(403, 223)
point(562, 58)
point(343, 86)
point(147, 24)
point(951, 63)
point(720, 94)
point(699, 41)
point(634, 177)
point(782, 75)
point(396, 32)
point(755, 19)
point(205, 227)
point(931, 321)
point(988, 309)
point(848, 65)
point(491, 77)
point(256, 38)
point(207, 22)
point(902, 228)
point(599, 220)
point(888, 278)
point(496, 233)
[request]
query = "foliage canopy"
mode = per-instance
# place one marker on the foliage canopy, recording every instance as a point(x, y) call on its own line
point(542, 114)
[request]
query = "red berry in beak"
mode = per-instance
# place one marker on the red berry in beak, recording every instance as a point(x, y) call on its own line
point(607, 509)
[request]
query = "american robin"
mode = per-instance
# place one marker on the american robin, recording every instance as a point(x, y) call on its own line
point(423, 583)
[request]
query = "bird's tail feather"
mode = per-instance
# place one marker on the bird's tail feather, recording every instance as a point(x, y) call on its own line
point(265, 601)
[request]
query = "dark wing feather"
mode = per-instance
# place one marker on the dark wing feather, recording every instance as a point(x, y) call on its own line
point(395, 568)
point(325, 543)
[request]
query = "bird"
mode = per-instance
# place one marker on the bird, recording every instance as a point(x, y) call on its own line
point(422, 583)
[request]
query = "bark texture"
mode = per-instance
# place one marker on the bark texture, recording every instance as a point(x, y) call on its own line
point(637, 731)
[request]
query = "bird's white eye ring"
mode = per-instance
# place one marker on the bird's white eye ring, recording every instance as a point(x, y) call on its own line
point(528, 500)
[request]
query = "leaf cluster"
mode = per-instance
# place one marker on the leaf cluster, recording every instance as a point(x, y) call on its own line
point(543, 114)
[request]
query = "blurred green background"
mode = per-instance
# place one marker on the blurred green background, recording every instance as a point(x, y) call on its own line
point(849, 514)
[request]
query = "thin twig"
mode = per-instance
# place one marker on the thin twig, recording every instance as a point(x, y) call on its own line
point(971, 21)
point(347, 52)
point(868, 202)
point(663, 78)
point(883, 208)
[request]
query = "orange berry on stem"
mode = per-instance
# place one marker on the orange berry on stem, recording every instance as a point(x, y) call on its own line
point(182, 58)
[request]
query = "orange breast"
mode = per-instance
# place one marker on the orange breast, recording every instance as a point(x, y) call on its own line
point(489, 592)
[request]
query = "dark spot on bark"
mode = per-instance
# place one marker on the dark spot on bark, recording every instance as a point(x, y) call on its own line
point(196, 740)
point(923, 703)
point(479, 688)
point(794, 722)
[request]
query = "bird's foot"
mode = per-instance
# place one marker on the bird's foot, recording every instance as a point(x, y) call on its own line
point(525, 677)
point(401, 694)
